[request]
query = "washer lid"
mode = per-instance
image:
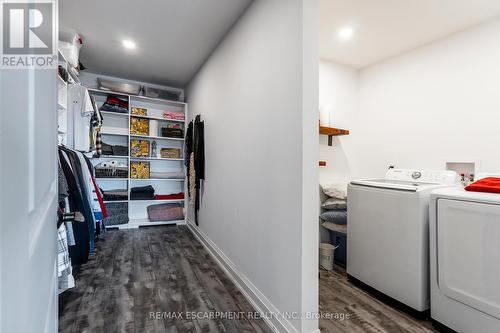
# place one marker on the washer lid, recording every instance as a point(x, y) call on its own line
point(393, 184)
point(463, 195)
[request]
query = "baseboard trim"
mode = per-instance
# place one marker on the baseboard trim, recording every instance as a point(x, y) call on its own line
point(261, 304)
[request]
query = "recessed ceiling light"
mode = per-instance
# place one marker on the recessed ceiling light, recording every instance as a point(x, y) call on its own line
point(346, 33)
point(128, 44)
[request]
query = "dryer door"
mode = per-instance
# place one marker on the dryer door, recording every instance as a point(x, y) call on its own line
point(468, 252)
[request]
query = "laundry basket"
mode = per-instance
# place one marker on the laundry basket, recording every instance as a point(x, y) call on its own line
point(326, 255)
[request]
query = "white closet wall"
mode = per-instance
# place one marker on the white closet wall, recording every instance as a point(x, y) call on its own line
point(259, 206)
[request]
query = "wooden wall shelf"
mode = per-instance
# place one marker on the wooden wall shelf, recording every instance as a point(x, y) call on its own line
point(331, 132)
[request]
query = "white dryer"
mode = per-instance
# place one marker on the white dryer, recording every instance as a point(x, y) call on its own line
point(465, 260)
point(388, 233)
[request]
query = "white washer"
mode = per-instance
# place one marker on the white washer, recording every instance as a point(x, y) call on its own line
point(387, 232)
point(465, 260)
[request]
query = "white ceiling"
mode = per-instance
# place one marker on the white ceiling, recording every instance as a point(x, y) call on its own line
point(173, 37)
point(385, 28)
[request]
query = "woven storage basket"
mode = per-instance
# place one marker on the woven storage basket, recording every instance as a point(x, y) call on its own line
point(170, 153)
point(111, 172)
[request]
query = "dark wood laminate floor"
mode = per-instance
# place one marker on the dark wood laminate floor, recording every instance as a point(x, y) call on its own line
point(134, 273)
point(366, 313)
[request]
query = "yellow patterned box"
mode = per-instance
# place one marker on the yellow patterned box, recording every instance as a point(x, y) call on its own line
point(139, 126)
point(139, 111)
point(139, 148)
point(139, 170)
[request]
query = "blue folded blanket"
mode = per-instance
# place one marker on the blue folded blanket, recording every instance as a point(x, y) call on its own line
point(335, 216)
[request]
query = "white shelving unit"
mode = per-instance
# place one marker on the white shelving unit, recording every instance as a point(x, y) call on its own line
point(116, 131)
point(62, 99)
point(62, 103)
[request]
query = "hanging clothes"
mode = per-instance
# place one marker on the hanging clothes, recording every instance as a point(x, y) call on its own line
point(195, 161)
point(64, 271)
point(87, 119)
point(192, 180)
point(81, 199)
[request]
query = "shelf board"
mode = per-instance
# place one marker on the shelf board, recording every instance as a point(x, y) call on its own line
point(158, 179)
point(331, 132)
point(111, 133)
point(156, 159)
point(146, 222)
point(61, 56)
point(115, 201)
point(158, 118)
point(61, 81)
point(137, 97)
point(115, 114)
point(144, 179)
point(110, 156)
point(107, 92)
point(155, 137)
point(157, 100)
point(160, 201)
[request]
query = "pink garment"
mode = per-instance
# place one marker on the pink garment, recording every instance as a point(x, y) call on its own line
point(174, 115)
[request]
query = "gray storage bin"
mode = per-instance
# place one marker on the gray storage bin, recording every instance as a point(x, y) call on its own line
point(172, 95)
point(117, 213)
point(117, 86)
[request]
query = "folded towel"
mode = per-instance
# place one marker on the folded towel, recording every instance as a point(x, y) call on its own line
point(175, 196)
point(142, 193)
point(117, 194)
point(142, 189)
point(334, 204)
point(489, 185)
point(166, 175)
point(120, 150)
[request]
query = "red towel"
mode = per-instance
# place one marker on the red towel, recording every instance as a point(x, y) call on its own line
point(490, 185)
point(175, 196)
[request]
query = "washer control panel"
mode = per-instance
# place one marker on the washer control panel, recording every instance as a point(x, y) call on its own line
point(444, 177)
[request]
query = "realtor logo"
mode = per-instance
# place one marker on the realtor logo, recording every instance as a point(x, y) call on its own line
point(28, 34)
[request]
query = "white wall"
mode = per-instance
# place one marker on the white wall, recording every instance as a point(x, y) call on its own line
point(339, 104)
point(252, 93)
point(436, 103)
